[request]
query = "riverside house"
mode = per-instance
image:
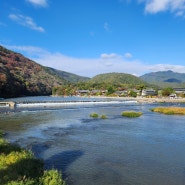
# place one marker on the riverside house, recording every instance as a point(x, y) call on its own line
point(179, 91)
point(148, 92)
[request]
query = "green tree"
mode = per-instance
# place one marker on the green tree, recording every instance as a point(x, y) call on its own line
point(110, 90)
point(133, 93)
point(167, 91)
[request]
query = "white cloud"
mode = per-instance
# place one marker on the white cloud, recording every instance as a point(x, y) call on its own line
point(155, 6)
point(42, 3)
point(92, 66)
point(166, 67)
point(109, 56)
point(128, 55)
point(26, 21)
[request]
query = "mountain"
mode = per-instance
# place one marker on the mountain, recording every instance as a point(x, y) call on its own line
point(70, 77)
point(20, 76)
point(165, 78)
point(118, 78)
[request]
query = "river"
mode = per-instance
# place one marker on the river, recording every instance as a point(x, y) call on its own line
point(148, 150)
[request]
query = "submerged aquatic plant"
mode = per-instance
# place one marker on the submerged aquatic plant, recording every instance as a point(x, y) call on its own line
point(103, 116)
point(94, 115)
point(170, 110)
point(131, 114)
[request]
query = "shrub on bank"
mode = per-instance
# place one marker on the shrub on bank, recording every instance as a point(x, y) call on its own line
point(51, 177)
point(131, 114)
point(20, 167)
point(170, 110)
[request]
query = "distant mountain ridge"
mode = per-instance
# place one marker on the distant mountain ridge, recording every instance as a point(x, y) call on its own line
point(165, 78)
point(70, 77)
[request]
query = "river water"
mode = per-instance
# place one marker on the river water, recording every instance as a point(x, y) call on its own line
point(149, 150)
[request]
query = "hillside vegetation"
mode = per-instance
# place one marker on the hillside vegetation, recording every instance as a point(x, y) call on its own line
point(21, 76)
point(118, 78)
point(70, 77)
point(104, 84)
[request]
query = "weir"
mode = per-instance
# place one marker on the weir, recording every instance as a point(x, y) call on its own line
point(10, 104)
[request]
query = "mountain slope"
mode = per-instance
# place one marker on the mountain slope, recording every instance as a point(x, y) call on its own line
point(70, 77)
point(21, 76)
point(165, 78)
point(118, 78)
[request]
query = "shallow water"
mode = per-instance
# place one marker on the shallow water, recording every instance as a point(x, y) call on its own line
point(148, 150)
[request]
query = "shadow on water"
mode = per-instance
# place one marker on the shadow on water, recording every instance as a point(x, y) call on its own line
point(61, 161)
point(38, 148)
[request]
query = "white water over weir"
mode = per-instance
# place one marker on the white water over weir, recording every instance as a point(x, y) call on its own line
point(55, 104)
point(7, 104)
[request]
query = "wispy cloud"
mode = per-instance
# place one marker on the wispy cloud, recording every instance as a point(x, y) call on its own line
point(106, 27)
point(155, 6)
point(42, 3)
point(26, 21)
point(90, 67)
point(29, 50)
point(128, 55)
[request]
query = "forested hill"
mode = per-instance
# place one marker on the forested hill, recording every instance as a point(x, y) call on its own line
point(20, 76)
point(118, 78)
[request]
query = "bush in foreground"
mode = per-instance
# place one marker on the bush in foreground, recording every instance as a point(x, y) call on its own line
point(20, 167)
point(51, 177)
point(131, 114)
point(170, 110)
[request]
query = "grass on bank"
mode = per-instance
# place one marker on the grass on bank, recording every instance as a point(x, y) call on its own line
point(19, 167)
point(170, 110)
point(131, 114)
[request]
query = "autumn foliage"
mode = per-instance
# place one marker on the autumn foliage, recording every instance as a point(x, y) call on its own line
point(20, 76)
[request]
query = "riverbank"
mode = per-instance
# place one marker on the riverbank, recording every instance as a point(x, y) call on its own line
point(161, 100)
point(145, 100)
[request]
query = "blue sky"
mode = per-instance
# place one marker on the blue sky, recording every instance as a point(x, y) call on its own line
point(89, 37)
